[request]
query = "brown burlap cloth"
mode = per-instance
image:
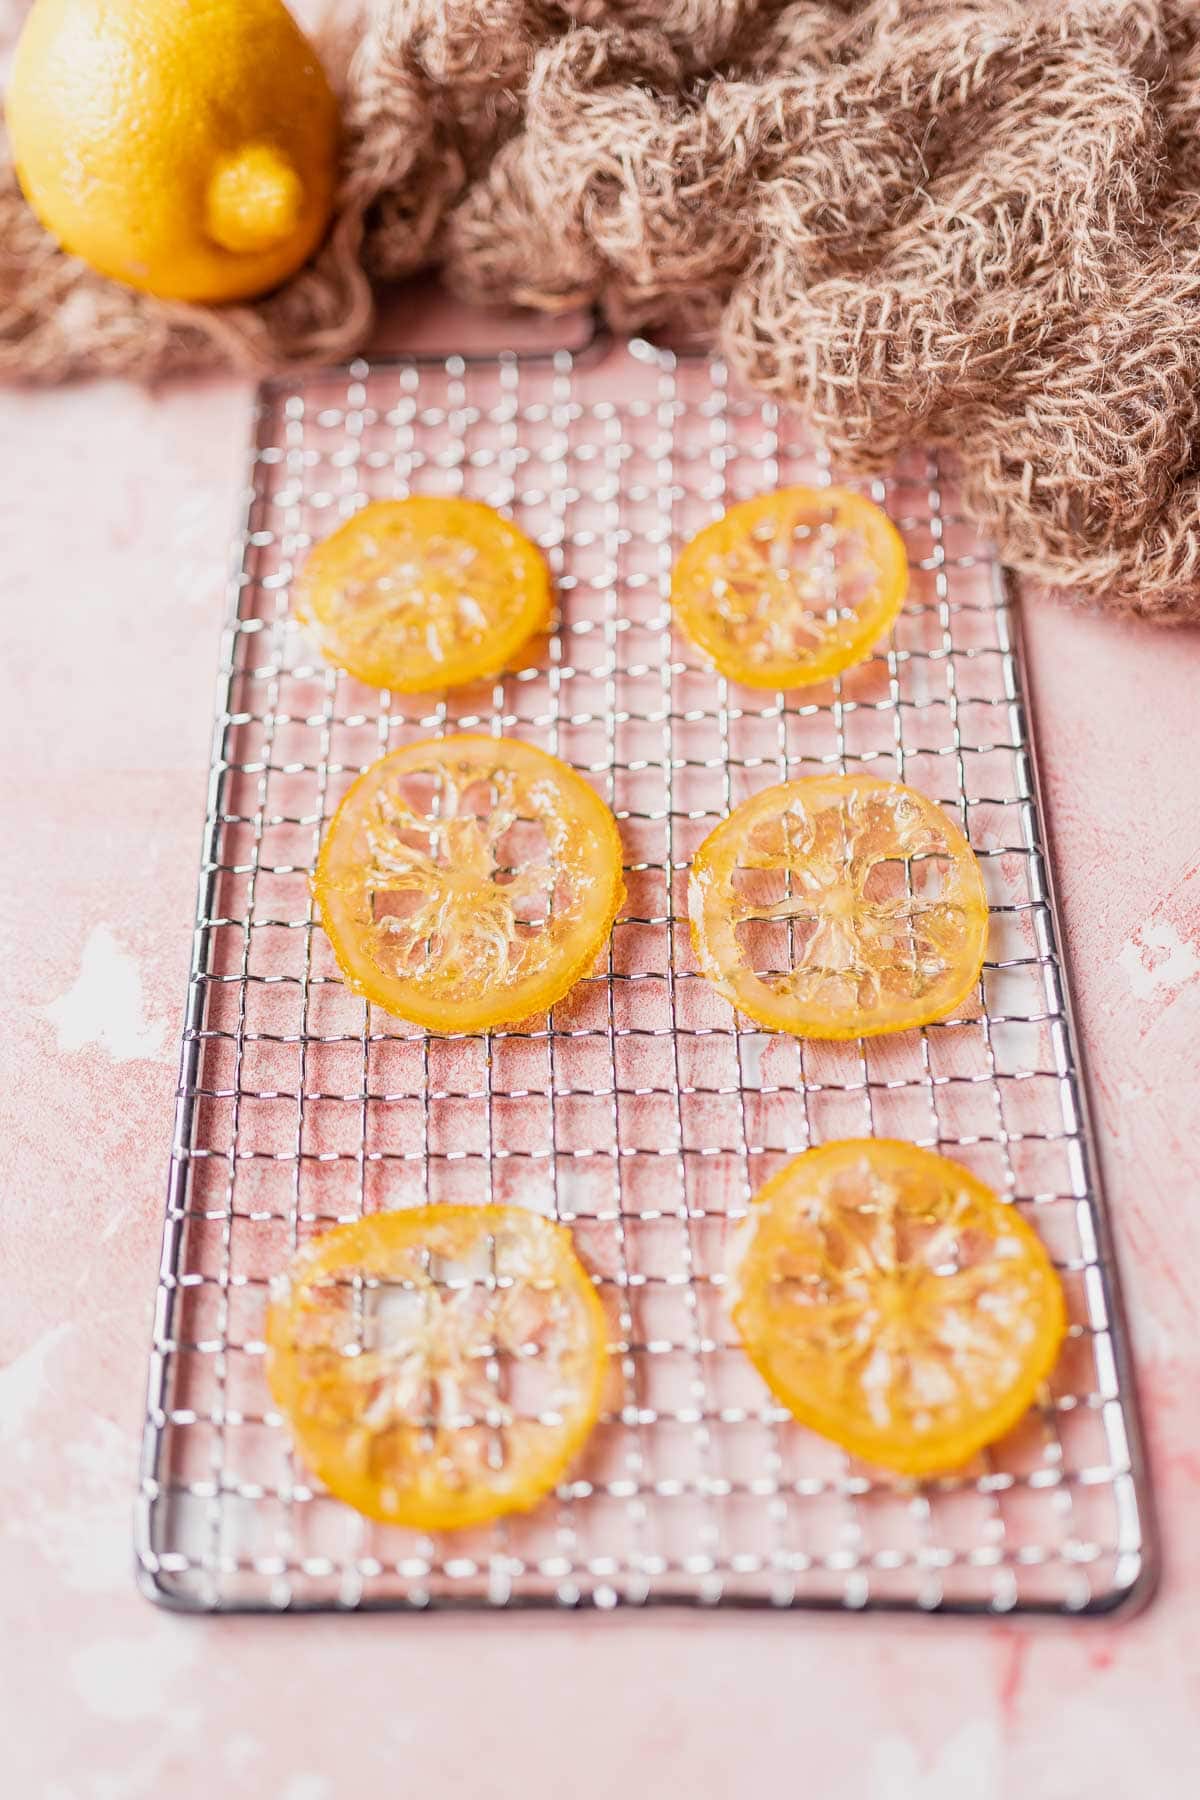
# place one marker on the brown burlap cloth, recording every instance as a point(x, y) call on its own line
point(974, 225)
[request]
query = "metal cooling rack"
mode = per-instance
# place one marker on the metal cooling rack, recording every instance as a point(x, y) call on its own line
point(642, 1112)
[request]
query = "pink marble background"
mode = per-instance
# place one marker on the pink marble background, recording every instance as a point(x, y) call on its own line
point(117, 508)
point(116, 511)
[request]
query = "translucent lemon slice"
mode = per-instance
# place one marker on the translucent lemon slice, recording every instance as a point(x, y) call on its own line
point(894, 1304)
point(438, 1367)
point(423, 594)
point(839, 906)
point(792, 587)
point(467, 882)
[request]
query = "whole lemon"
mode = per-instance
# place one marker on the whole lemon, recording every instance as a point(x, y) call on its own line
point(185, 147)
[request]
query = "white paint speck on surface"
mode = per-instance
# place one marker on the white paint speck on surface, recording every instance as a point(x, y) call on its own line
point(105, 1009)
point(125, 1679)
point(139, 1776)
point(306, 1787)
point(1156, 958)
point(240, 1752)
point(967, 1767)
point(752, 1046)
point(24, 1385)
point(85, 1544)
point(83, 1538)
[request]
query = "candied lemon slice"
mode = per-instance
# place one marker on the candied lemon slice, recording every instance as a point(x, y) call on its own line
point(438, 1367)
point(792, 587)
point(839, 906)
point(424, 593)
point(894, 1304)
point(467, 882)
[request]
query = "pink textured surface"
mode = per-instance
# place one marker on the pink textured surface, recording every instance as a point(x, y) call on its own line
point(117, 510)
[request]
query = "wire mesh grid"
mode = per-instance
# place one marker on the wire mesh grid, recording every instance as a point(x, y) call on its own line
point(642, 1112)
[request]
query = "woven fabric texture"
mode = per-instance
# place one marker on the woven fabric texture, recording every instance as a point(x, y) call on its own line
point(968, 223)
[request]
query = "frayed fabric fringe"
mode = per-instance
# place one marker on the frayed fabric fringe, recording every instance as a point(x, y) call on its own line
point(973, 225)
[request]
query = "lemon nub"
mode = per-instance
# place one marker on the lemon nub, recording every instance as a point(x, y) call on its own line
point(254, 200)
